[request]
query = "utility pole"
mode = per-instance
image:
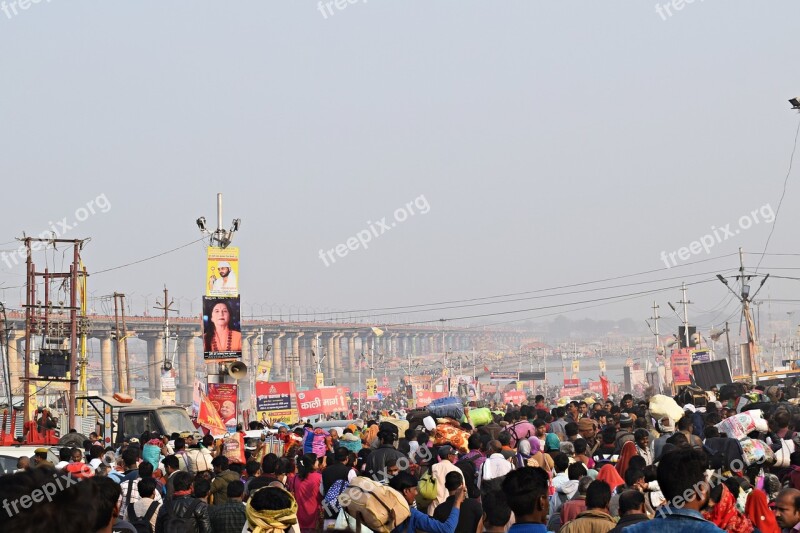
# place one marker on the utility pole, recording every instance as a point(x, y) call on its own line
point(746, 298)
point(123, 372)
point(728, 342)
point(685, 304)
point(166, 307)
point(655, 318)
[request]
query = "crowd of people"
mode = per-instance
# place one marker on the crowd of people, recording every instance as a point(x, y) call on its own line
point(583, 467)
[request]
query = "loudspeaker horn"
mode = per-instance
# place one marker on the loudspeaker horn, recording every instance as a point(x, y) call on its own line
point(237, 370)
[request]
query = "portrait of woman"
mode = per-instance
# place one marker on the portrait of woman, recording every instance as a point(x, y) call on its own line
point(220, 335)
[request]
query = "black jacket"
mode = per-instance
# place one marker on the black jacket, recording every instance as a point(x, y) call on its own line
point(629, 520)
point(180, 506)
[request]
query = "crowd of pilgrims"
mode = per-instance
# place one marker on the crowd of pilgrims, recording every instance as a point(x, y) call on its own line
point(583, 467)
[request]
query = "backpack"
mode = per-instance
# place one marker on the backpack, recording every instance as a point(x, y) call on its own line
point(491, 485)
point(197, 461)
point(470, 473)
point(377, 506)
point(331, 499)
point(174, 523)
point(142, 524)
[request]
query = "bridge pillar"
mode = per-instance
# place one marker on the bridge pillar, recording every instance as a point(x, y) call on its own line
point(277, 357)
point(155, 360)
point(298, 369)
point(106, 365)
point(308, 363)
point(353, 358)
point(337, 366)
point(14, 362)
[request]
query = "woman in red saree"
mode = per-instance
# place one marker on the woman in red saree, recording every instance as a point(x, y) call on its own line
point(758, 511)
point(628, 451)
point(724, 513)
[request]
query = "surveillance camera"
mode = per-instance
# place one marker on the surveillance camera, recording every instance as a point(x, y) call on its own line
point(201, 223)
point(795, 102)
point(237, 223)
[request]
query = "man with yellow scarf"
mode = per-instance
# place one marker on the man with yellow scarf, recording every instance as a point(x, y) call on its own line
point(271, 510)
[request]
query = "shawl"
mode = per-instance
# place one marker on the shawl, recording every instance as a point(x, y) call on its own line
point(271, 521)
point(628, 451)
point(610, 475)
point(551, 442)
point(725, 516)
point(757, 510)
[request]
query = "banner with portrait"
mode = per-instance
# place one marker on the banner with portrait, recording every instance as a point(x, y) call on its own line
point(222, 271)
point(263, 370)
point(224, 398)
point(682, 367)
point(222, 329)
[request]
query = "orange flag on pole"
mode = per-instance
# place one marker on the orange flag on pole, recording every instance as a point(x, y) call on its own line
point(209, 417)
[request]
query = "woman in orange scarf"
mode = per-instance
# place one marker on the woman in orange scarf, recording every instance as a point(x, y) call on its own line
point(724, 513)
point(757, 510)
point(610, 475)
point(628, 451)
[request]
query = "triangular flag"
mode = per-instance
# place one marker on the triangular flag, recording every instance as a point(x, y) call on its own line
point(209, 418)
point(377, 331)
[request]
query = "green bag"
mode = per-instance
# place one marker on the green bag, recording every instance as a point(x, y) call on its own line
point(427, 487)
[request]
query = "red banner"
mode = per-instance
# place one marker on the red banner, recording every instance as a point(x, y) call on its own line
point(321, 401)
point(596, 386)
point(571, 391)
point(224, 398)
point(425, 397)
point(516, 396)
point(682, 367)
point(572, 382)
point(385, 391)
point(275, 396)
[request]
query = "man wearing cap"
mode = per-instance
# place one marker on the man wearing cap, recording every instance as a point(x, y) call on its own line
point(447, 463)
point(40, 459)
point(226, 282)
point(667, 427)
point(625, 432)
point(588, 430)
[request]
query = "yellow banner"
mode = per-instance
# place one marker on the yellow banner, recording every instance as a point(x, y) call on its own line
point(263, 371)
point(222, 271)
point(320, 380)
point(372, 389)
point(576, 366)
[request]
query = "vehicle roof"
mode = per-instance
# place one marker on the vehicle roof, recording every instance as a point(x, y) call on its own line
point(149, 407)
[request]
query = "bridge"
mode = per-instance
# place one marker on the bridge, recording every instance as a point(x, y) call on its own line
point(290, 345)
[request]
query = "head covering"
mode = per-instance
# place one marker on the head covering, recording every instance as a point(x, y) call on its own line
point(536, 445)
point(668, 426)
point(40, 450)
point(725, 516)
point(689, 407)
point(223, 264)
point(524, 448)
point(625, 420)
point(585, 424)
point(445, 451)
point(610, 475)
point(271, 521)
point(757, 510)
point(551, 442)
point(628, 451)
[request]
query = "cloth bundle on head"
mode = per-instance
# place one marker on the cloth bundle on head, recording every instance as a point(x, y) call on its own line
point(585, 424)
point(271, 521)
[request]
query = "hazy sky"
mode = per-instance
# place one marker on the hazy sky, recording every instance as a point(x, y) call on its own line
point(552, 142)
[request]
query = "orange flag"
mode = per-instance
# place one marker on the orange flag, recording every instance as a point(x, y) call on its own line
point(209, 418)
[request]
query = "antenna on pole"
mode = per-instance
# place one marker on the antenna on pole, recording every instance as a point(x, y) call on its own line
point(219, 238)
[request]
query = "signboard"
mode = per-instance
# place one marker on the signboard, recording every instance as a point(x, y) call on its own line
point(572, 382)
point(425, 397)
point(222, 271)
point(419, 382)
point(596, 387)
point(571, 390)
point(274, 396)
point(320, 380)
point(701, 356)
point(321, 401)
point(500, 376)
point(223, 396)
point(222, 337)
point(576, 366)
point(681, 367)
point(263, 370)
point(372, 389)
point(532, 376)
point(168, 381)
point(514, 396)
point(602, 366)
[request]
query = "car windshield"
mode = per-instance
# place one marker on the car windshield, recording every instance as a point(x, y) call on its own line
point(176, 421)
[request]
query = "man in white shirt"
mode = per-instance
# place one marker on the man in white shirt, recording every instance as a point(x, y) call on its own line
point(447, 459)
point(226, 282)
point(496, 465)
point(145, 471)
